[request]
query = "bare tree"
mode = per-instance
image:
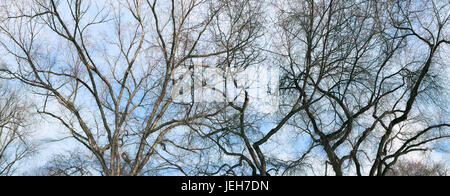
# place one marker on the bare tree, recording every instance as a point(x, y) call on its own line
point(108, 66)
point(75, 163)
point(358, 86)
point(418, 168)
point(15, 143)
point(223, 142)
point(361, 82)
